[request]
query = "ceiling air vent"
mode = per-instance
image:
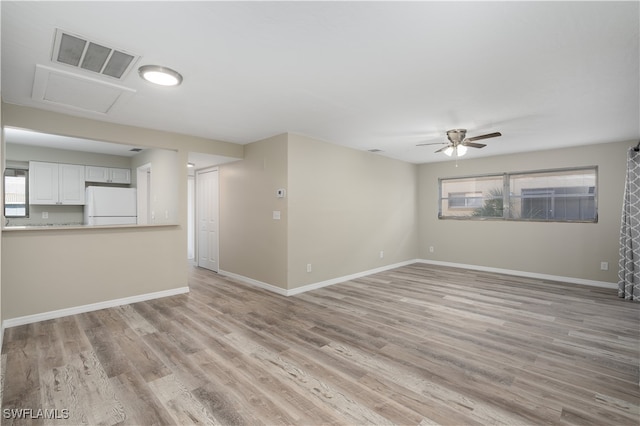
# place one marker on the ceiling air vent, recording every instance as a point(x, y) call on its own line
point(80, 52)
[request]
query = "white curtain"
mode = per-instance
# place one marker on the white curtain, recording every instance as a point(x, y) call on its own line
point(629, 264)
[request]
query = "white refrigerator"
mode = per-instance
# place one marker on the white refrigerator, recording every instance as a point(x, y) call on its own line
point(110, 206)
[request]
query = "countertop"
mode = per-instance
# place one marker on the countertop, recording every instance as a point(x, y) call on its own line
point(79, 226)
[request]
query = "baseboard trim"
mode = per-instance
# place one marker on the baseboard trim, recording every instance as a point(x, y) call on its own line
point(338, 280)
point(313, 286)
point(571, 280)
point(279, 290)
point(28, 319)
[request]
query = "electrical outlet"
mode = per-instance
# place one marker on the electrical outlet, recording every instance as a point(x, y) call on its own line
point(45, 215)
point(604, 266)
point(381, 254)
point(308, 267)
point(431, 249)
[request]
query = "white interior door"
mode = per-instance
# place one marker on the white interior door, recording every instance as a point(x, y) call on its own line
point(207, 218)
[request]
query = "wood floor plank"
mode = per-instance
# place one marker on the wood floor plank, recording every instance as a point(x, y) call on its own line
point(420, 344)
point(140, 402)
point(49, 344)
point(244, 393)
point(181, 404)
point(135, 321)
point(22, 377)
point(140, 356)
point(73, 340)
point(83, 389)
point(180, 364)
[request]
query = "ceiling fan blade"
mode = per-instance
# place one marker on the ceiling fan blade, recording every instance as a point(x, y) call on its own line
point(474, 145)
point(487, 136)
point(443, 148)
point(431, 143)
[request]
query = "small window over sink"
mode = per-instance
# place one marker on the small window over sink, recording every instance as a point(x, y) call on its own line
point(16, 193)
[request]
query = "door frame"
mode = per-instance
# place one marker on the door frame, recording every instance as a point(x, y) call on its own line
point(143, 194)
point(191, 218)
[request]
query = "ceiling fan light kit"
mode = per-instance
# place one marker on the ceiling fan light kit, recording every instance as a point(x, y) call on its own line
point(459, 150)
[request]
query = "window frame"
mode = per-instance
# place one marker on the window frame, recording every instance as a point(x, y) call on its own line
point(14, 172)
point(506, 195)
point(468, 197)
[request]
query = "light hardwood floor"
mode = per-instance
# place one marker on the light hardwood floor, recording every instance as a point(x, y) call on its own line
point(415, 345)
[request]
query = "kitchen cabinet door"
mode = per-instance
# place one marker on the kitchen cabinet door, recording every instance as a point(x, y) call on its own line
point(120, 175)
point(71, 184)
point(43, 183)
point(96, 174)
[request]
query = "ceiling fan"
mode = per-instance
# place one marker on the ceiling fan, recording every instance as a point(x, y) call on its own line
point(458, 142)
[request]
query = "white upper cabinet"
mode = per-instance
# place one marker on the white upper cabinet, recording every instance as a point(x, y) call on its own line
point(120, 175)
point(43, 183)
point(96, 174)
point(107, 175)
point(71, 184)
point(53, 183)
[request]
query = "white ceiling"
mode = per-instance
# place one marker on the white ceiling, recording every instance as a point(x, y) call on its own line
point(368, 75)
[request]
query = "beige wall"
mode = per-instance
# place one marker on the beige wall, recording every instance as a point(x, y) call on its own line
point(164, 193)
point(345, 207)
point(563, 249)
point(341, 209)
point(49, 270)
point(252, 243)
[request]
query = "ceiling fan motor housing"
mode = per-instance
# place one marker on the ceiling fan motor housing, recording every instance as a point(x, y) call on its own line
point(456, 136)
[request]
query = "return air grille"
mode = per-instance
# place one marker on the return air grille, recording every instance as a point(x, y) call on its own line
point(80, 52)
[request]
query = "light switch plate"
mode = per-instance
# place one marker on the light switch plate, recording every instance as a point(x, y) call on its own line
point(276, 214)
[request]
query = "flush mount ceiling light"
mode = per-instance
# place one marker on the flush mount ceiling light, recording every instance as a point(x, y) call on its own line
point(162, 76)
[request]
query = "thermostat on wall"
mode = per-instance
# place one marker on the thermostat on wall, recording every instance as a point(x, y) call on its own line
point(280, 193)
